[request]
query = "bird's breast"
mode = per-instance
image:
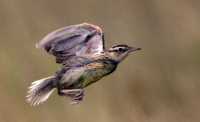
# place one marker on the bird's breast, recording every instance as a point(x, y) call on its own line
point(97, 70)
point(80, 77)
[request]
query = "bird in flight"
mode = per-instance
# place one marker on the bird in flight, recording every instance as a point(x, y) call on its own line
point(80, 49)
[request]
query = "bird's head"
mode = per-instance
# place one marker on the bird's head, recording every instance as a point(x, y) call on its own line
point(120, 52)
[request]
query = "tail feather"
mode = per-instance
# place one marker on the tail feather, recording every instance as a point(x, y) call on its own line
point(40, 90)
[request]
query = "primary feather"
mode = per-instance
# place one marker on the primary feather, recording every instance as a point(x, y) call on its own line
point(73, 41)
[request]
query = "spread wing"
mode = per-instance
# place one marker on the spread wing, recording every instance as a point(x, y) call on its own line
point(73, 44)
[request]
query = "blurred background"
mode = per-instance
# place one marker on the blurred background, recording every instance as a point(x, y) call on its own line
point(158, 84)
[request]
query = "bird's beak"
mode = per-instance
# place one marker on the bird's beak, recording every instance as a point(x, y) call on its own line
point(133, 49)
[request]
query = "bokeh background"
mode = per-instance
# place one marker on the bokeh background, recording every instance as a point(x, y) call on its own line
point(158, 84)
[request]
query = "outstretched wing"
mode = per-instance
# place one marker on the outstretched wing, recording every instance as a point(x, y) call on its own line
point(74, 43)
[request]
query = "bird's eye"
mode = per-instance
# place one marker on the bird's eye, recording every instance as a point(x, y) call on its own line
point(121, 50)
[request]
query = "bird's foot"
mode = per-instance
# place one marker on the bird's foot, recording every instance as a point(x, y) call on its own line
point(76, 95)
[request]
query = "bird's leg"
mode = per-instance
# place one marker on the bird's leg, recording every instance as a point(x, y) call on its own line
point(76, 95)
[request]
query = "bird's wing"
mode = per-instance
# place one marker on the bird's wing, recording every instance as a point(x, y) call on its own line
point(73, 43)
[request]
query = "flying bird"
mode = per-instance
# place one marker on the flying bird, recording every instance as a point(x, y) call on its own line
point(80, 49)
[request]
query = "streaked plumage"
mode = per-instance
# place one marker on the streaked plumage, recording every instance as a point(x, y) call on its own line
point(81, 51)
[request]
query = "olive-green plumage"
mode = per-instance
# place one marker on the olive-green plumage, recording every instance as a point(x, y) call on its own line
point(100, 70)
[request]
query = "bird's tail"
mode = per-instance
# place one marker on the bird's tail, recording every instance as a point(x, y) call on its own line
point(40, 90)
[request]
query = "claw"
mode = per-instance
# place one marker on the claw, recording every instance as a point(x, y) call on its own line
point(76, 95)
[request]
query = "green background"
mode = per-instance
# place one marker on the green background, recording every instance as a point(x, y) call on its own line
point(158, 84)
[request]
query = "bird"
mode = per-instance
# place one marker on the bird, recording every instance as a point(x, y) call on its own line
point(80, 50)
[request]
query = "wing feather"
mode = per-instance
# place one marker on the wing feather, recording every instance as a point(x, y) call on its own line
point(73, 43)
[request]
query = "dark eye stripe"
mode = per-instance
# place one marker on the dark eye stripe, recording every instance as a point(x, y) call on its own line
point(118, 49)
